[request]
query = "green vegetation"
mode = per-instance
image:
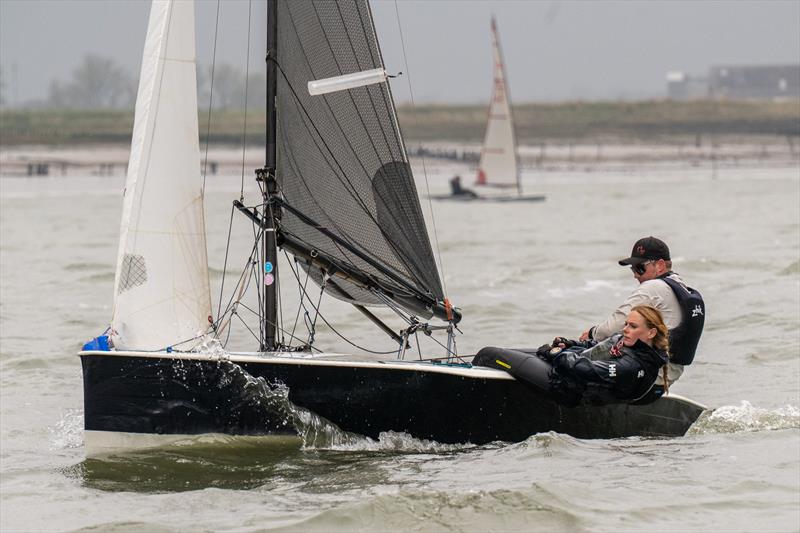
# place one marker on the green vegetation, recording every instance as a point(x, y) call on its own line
point(649, 120)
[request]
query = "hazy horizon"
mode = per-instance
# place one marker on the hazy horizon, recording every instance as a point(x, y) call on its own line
point(554, 50)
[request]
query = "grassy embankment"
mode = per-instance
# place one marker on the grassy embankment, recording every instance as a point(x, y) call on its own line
point(587, 121)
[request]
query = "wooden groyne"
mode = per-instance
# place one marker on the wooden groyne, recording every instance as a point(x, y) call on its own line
point(112, 160)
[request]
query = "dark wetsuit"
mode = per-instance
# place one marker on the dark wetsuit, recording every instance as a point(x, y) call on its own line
point(457, 190)
point(618, 373)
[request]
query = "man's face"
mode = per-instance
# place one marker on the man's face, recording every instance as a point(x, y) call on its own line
point(648, 270)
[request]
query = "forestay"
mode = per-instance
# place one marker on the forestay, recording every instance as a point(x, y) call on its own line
point(161, 288)
point(498, 164)
point(341, 157)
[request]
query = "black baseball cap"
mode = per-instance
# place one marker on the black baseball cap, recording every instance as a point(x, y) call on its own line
point(647, 249)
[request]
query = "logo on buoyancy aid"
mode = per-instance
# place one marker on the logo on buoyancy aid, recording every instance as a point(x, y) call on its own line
point(684, 338)
point(616, 350)
point(612, 370)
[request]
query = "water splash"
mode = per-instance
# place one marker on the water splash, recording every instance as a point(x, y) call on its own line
point(68, 432)
point(314, 430)
point(745, 418)
point(317, 432)
point(392, 441)
point(212, 347)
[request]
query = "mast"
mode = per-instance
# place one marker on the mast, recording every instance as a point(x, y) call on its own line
point(269, 189)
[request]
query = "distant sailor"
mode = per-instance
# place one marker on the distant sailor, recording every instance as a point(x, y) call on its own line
point(621, 369)
point(681, 306)
point(456, 189)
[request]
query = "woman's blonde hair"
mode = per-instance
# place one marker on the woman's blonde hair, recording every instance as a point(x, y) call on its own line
point(653, 318)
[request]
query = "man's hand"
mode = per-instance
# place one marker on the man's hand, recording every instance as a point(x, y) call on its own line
point(585, 335)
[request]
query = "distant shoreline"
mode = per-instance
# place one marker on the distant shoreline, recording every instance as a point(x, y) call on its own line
point(656, 121)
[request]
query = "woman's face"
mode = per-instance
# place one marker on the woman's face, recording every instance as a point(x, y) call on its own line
point(636, 330)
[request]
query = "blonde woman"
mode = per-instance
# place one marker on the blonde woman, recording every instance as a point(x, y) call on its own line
point(620, 369)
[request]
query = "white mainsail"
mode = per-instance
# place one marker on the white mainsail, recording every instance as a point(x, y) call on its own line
point(498, 164)
point(162, 295)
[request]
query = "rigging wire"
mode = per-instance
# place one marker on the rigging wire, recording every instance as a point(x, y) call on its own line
point(345, 339)
point(225, 266)
point(210, 98)
point(302, 287)
point(242, 277)
point(246, 87)
point(424, 167)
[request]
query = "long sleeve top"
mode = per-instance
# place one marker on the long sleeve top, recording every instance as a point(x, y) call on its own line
point(654, 293)
point(611, 371)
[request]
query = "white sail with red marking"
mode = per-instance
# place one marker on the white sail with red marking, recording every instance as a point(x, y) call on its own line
point(498, 165)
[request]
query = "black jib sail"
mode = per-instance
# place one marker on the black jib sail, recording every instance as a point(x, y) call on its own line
point(351, 202)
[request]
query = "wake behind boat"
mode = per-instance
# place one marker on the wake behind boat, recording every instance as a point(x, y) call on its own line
point(336, 193)
point(460, 194)
point(488, 198)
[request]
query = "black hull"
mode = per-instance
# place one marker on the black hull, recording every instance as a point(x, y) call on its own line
point(164, 395)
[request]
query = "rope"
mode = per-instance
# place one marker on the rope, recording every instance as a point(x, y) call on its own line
point(225, 265)
point(246, 87)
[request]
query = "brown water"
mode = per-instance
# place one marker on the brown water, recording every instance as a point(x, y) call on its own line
point(522, 274)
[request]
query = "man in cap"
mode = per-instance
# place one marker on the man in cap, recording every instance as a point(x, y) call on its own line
point(651, 263)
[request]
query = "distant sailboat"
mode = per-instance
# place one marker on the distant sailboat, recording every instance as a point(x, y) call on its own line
point(499, 164)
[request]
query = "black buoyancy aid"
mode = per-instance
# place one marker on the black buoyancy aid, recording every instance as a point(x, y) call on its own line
point(684, 338)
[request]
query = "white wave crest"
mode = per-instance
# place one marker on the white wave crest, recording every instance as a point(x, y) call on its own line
point(68, 432)
point(745, 418)
point(391, 441)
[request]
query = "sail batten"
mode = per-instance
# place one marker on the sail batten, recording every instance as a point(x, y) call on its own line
point(162, 295)
point(341, 158)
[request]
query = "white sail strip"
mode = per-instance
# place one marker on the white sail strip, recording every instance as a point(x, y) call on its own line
point(162, 295)
point(346, 81)
point(498, 164)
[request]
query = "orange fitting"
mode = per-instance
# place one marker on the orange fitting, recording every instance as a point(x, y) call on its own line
point(448, 309)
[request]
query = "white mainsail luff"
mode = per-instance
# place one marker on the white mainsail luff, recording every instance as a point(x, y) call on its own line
point(162, 295)
point(498, 164)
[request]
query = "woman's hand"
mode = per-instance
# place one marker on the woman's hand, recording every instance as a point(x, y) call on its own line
point(563, 342)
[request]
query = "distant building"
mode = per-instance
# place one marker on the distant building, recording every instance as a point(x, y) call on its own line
point(682, 86)
point(775, 82)
point(764, 82)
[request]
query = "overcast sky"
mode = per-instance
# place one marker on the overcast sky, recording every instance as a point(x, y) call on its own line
point(554, 49)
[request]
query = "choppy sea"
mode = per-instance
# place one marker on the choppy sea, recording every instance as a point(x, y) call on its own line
point(522, 273)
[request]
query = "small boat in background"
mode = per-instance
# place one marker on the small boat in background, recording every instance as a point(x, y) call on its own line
point(499, 163)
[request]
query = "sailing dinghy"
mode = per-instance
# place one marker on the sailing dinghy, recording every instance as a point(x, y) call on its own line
point(499, 164)
point(337, 195)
